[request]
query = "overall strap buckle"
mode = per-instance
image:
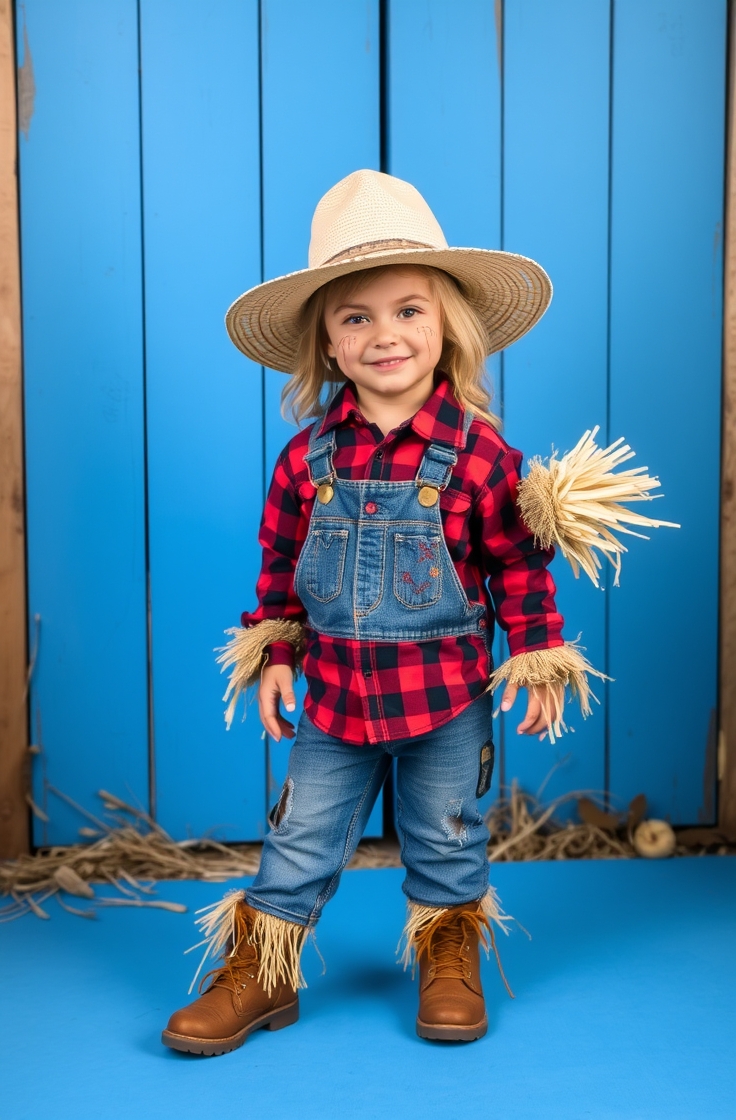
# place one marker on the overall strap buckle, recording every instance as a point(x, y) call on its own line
point(318, 459)
point(436, 467)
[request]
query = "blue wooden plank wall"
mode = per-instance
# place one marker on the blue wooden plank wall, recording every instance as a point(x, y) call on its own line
point(556, 108)
point(586, 133)
point(80, 201)
point(202, 238)
point(666, 236)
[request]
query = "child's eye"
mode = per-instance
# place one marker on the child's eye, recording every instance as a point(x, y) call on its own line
point(408, 312)
point(353, 320)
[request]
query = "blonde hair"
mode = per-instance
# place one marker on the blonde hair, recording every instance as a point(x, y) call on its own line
point(464, 346)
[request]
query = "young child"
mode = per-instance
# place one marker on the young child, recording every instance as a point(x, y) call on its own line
point(392, 540)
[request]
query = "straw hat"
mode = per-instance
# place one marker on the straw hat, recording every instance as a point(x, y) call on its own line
point(370, 219)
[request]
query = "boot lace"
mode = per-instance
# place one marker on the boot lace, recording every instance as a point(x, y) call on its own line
point(447, 947)
point(239, 966)
point(447, 942)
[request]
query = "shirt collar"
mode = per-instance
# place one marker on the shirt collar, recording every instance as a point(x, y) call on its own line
point(440, 418)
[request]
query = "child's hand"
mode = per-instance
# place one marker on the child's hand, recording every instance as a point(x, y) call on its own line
point(543, 705)
point(277, 682)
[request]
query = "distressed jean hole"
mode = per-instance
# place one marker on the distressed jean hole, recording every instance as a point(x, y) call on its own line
point(278, 818)
point(453, 824)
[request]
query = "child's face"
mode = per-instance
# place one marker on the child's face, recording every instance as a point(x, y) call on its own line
point(387, 337)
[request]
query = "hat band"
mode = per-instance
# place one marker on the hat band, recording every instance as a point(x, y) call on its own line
point(374, 246)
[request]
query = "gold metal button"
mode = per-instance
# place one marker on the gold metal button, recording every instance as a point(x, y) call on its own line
point(325, 493)
point(428, 496)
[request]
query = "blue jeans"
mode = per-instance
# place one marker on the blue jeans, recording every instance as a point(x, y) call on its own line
point(327, 799)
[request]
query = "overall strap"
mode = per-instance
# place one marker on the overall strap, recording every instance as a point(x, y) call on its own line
point(318, 459)
point(440, 459)
point(436, 466)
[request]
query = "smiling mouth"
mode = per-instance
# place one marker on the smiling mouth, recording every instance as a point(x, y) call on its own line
point(389, 363)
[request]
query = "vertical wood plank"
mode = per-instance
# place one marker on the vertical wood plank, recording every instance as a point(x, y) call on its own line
point(727, 724)
point(81, 261)
point(556, 111)
point(201, 200)
point(14, 831)
point(666, 296)
point(447, 141)
point(320, 122)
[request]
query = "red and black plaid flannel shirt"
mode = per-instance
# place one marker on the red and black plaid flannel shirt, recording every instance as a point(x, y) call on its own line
point(373, 692)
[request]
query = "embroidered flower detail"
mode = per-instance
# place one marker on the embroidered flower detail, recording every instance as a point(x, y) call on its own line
point(408, 578)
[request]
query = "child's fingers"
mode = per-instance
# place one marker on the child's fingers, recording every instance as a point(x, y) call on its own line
point(276, 726)
point(509, 695)
point(532, 711)
point(286, 728)
point(539, 725)
point(534, 720)
point(274, 723)
point(268, 710)
point(289, 700)
point(542, 708)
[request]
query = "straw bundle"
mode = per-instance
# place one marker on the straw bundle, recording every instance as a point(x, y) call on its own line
point(578, 501)
point(246, 655)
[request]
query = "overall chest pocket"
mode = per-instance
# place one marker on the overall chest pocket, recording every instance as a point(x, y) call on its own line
point(417, 569)
point(323, 563)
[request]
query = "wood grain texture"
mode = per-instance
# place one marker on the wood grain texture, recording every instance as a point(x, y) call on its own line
point(727, 736)
point(14, 833)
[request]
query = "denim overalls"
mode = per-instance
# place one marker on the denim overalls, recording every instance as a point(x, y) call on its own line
point(375, 566)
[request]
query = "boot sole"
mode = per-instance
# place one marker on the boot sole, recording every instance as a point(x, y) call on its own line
point(448, 1032)
point(209, 1047)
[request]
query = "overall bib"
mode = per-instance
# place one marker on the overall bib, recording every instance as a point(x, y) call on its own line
point(375, 566)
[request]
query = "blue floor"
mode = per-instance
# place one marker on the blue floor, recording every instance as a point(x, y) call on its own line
point(625, 1009)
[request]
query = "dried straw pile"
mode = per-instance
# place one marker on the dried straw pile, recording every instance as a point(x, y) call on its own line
point(130, 851)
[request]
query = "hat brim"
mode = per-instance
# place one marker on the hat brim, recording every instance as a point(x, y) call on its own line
point(510, 293)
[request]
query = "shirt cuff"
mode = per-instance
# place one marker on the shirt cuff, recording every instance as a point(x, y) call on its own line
point(280, 653)
point(525, 642)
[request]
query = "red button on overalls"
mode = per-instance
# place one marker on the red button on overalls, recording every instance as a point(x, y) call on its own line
point(371, 507)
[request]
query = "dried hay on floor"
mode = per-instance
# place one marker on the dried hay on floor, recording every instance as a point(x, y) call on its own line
point(522, 828)
point(129, 851)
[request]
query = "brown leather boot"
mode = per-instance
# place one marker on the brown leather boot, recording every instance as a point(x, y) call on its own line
point(451, 1004)
point(236, 1003)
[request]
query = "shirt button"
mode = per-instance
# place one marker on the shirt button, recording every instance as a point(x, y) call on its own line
point(379, 454)
point(371, 507)
point(368, 673)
